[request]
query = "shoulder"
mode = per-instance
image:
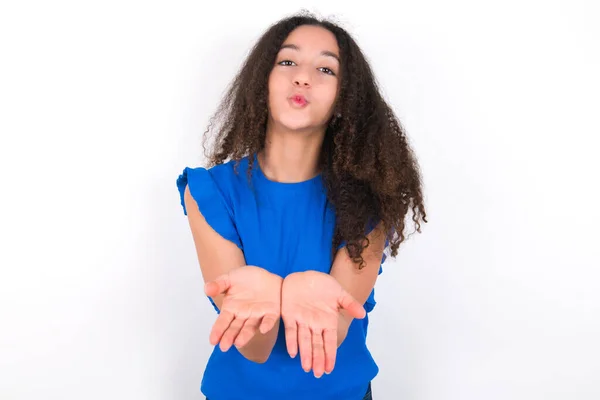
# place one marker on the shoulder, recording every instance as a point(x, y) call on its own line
point(223, 176)
point(230, 170)
point(226, 180)
point(209, 192)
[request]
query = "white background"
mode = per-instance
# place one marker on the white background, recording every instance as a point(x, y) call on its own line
point(102, 105)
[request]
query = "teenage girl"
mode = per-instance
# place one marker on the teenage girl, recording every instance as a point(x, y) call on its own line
point(291, 249)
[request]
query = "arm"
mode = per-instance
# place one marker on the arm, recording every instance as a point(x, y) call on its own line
point(317, 308)
point(217, 256)
point(359, 283)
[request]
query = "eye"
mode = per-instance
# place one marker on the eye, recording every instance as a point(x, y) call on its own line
point(284, 62)
point(328, 71)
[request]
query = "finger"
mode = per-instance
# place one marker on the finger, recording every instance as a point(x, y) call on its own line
point(218, 286)
point(318, 353)
point(268, 322)
point(305, 345)
point(349, 303)
point(231, 333)
point(291, 337)
point(247, 332)
point(330, 346)
point(220, 326)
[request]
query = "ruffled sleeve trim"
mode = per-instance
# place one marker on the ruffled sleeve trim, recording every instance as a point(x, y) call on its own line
point(211, 202)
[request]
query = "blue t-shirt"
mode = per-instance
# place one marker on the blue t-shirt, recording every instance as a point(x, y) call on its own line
point(283, 228)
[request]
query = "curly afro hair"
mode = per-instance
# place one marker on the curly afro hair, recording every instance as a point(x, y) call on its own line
point(368, 168)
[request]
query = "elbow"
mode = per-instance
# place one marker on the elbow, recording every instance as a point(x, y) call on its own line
point(259, 357)
point(259, 360)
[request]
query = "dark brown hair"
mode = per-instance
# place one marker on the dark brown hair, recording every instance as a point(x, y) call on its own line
point(369, 171)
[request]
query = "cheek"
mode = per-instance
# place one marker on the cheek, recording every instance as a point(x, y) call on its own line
point(276, 90)
point(327, 96)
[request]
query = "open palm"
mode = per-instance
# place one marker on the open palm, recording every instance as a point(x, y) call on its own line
point(251, 303)
point(310, 307)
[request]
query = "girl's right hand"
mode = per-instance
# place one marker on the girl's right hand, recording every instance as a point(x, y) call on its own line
point(251, 303)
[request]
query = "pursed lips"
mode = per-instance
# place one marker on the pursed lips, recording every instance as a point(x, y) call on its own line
point(299, 99)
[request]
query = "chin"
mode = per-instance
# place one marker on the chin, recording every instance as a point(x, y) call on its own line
point(296, 124)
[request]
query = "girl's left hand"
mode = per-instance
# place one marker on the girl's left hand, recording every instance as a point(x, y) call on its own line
point(311, 302)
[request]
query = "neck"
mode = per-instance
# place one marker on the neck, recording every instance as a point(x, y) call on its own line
point(291, 156)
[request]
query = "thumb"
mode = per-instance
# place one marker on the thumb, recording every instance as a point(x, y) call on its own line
point(353, 307)
point(218, 286)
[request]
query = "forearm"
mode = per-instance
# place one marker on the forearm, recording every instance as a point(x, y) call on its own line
point(357, 282)
point(359, 287)
point(344, 321)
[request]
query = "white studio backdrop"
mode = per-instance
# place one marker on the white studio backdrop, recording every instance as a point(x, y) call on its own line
point(102, 105)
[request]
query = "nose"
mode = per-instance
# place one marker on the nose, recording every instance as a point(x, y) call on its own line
point(302, 78)
point(301, 82)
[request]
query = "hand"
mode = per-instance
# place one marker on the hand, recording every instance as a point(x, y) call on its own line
point(251, 303)
point(311, 302)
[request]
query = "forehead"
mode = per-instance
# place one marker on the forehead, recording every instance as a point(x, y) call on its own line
point(316, 38)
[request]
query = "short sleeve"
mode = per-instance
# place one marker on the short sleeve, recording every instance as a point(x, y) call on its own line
point(211, 203)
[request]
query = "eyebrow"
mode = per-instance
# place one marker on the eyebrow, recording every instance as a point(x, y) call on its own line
point(323, 53)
